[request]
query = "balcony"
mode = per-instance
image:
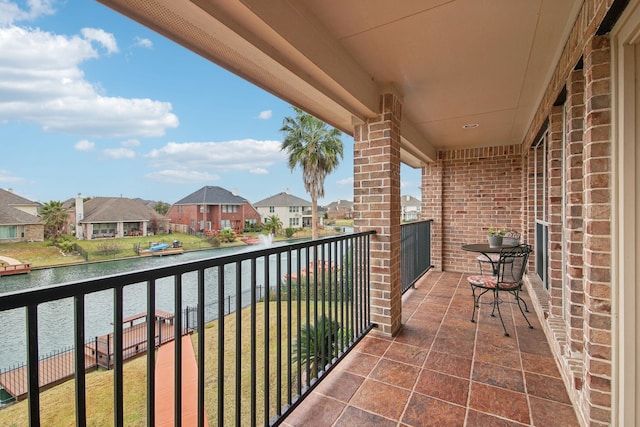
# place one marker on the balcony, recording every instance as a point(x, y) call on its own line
point(441, 369)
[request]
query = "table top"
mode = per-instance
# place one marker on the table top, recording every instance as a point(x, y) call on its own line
point(485, 248)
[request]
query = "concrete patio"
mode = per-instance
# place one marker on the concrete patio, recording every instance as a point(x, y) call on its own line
point(442, 369)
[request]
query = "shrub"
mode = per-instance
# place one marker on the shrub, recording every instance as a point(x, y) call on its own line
point(289, 232)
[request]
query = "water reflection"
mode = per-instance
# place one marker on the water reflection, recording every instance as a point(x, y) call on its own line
point(55, 319)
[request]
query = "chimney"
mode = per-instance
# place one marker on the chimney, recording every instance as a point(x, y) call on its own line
point(287, 191)
point(234, 191)
point(79, 216)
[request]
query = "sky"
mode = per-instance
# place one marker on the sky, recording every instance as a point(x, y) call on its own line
point(96, 104)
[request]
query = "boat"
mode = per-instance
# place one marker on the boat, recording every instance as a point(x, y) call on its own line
point(10, 266)
point(162, 249)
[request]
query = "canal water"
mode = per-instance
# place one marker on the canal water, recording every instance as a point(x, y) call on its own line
point(55, 319)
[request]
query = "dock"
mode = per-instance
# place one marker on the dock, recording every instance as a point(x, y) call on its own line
point(10, 266)
point(99, 353)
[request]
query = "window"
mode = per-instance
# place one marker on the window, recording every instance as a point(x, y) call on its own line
point(294, 222)
point(8, 231)
point(541, 212)
point(224, 208)
point(272, 209)
point(229, 208)
point(294, 209)
point(225, 223)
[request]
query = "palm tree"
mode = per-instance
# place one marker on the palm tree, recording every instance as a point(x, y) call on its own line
point(317, 345)
point(54, 215)
point(317, 148)
point(273, 224)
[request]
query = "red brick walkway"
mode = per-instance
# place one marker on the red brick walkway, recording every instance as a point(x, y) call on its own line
point(165, 380)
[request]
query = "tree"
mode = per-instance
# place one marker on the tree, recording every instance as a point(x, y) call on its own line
point(273, 224)
point(55, 217)
point(317, 149)
point(162, 207)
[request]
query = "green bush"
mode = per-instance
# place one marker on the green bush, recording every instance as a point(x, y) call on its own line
point(289, 232)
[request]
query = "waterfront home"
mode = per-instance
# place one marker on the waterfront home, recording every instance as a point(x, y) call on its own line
point(106, 217)
point(342, 209)
point(521, 114)
point(292, 210)
point(19, 220)
point(212, 208)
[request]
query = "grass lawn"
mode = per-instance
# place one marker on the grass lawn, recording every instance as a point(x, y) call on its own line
point(57, 403)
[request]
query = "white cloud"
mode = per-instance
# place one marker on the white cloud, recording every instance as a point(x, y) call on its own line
point(107, 40)
point(130, 143)
point(244, 154)
point(84, 145)
point(41, 83)
point(142, 42)
point(265, 115)
point(119, 153)
point(345, 181)
point(9, 178)
point(203, 161)
point(10, 12)
point(180, 177)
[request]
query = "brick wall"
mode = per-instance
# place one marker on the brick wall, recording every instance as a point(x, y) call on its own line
point(376, 199)
point(597, 163)
point(481, 187)
point(573, 223)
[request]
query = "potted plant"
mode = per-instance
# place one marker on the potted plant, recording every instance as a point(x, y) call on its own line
point(495, 236)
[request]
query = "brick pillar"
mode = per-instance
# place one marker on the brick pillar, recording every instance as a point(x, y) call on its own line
point(597, 229)
point(554, 203)
point(574, 287)
point(432, 208)
point(376, 200)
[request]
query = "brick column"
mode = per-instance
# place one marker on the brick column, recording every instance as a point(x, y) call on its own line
point(432, 208)
point(597, 229)
point(376, 202)
point(554, 203)
point(574, 287)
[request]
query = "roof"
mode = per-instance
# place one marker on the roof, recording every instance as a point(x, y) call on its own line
point(212, 195)
point(282, 199)
point(106, 209)
point(340, 204)
point(13, 216)
point(9, 198)
point(410, 201)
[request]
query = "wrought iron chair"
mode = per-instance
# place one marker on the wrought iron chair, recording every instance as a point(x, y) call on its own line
point(511, 238)
point(512, 263)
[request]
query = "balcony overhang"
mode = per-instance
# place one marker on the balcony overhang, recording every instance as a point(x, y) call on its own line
point(452, 63)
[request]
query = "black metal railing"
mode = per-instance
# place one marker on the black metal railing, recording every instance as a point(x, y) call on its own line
point(270, 351)
point(415, 251)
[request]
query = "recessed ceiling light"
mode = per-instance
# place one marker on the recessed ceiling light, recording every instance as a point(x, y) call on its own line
point(470, 126)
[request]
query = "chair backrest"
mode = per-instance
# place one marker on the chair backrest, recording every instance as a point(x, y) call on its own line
point(511, 238)
point(513, 263)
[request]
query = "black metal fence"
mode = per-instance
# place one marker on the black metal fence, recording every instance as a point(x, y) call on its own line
point(273, 352)
point(415, 252)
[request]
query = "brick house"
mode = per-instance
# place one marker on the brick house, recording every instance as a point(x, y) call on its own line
point(105, 217)
point(342, 209)
point(292, 210)
point(519, 114)
point(19, 220)
point(211, 208)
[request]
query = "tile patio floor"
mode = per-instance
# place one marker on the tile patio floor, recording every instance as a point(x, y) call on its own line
point(443, 370)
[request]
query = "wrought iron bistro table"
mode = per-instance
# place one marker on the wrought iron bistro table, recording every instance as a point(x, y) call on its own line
point(486, 250)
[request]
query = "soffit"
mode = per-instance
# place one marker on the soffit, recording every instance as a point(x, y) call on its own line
point(452, 62)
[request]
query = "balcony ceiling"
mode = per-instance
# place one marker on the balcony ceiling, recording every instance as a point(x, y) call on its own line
point(453, 62)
